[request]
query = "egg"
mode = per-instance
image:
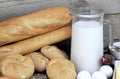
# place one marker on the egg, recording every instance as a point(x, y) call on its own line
point(107, 70)
point(84, 75)
point(98, 75)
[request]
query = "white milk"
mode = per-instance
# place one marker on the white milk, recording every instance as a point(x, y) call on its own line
point(87, 45)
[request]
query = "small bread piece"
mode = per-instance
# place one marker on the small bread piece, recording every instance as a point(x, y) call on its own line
point(60, 68)
point(53, 52)
point(40, 61)
point(32, 24)
point(5, 78)
point(35, 43)
point(17, 66)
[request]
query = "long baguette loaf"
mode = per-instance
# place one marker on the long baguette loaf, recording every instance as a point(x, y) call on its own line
point(33, 24)
point(34, 43)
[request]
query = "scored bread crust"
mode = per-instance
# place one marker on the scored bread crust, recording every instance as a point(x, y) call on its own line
point(60, 68)
point(35, 43)
point(17, 66)
point(32, 24)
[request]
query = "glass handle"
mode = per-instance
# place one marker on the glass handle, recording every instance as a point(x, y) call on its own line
point(108, 23)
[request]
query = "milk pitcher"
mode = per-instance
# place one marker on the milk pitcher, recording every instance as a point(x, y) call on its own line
point(87, 39)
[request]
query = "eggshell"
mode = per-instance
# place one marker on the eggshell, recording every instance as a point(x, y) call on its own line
point(84, 75)
point(98, 75)
point(107, 70)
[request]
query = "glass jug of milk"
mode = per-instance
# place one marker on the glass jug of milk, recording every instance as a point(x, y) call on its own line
point(87, 39)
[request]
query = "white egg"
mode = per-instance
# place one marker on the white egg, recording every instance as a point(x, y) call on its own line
point(84, 75)
point(107, 70)
point(98, 75)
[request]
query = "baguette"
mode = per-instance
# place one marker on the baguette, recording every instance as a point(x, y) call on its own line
point(29, 25)
point(35, 43)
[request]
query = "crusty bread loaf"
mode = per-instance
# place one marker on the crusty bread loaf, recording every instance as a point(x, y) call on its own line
point(40, 61)
point(33, 24)
point(53, 52)
point(60, 68)
point(17, 66)
point(34, 43)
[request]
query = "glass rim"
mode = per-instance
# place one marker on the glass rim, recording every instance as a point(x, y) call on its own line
point(87, 12)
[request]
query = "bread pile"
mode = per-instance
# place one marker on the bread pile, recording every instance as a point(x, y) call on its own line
point(22, 37)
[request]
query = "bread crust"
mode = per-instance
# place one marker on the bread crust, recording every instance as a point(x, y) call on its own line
point(35, 43)
point(5, 78)
point(32, 24)
point(53, 52)
point(40, 61)
point(17, 66)
point(60, 68)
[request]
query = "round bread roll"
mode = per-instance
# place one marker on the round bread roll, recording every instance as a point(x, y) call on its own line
point(39, 60)
point(53, 52)
point(17, 66)
point(5, 78)
point(60, 68)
